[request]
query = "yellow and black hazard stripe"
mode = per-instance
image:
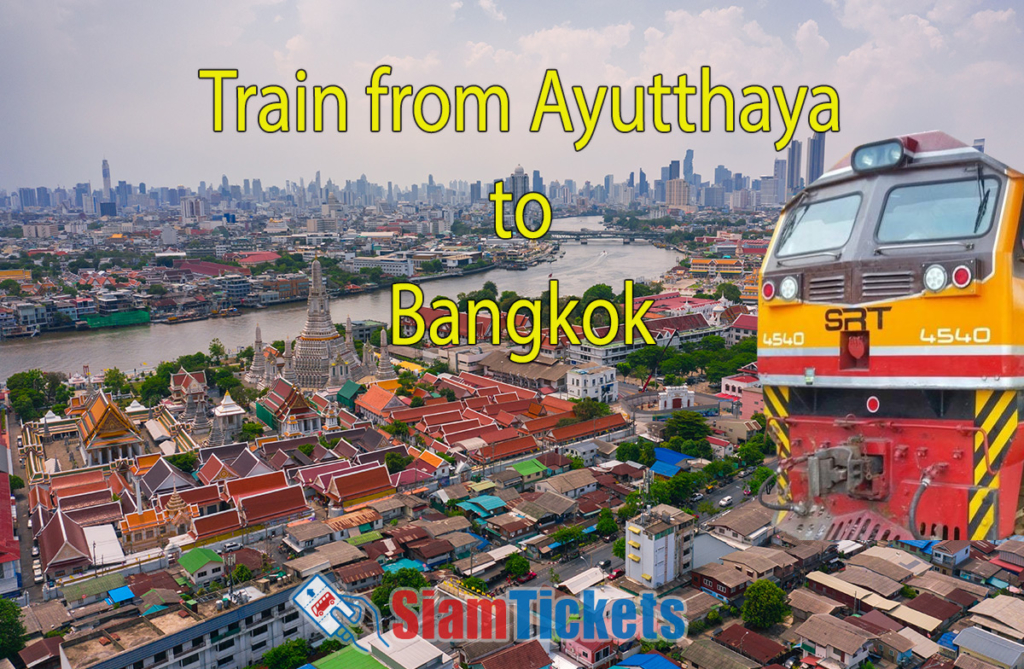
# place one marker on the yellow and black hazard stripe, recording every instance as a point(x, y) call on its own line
point(776, 406)
point(995, 415)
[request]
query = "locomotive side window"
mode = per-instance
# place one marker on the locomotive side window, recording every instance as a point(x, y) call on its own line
point(819, 226)
point(938, 211)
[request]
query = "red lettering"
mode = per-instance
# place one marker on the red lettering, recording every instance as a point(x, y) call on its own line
point(408, 626)
point(449, 623)
point(493, 619)
point(427, 615)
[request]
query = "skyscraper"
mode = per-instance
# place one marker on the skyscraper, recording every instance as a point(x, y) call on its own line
point(643, 182)
point(609, 183)
point(722, 174)
point(688, 166)
point(673, 171)
point(815, 156)
point(107, 193)
point(793, 166)
point(779, 174)
point(538, 182)
point(518, 184)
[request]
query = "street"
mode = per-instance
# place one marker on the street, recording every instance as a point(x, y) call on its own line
point(589, 557)
point(21, 497)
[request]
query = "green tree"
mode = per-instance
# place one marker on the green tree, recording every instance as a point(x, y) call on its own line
point(750, 454)
point(707, 508)
point(764, 604)
point(186, 462)
point(12, 629)
point(287, 655)
point(403, 578)
point(606, 523)
point(908, 591)
point(115, 380)
point(416, 402)
point(689, 425)
point(216, 349)
point(11, 287)
point(307, 449)
point(517, 565)
point(396, 462)
point(589, 408)
point(568, 535)
point(397, 429)
point(619, 548)
point(241, 574)
point(250, 431)
point(730, 292)
point(16, 482)
point(576, 463)
point(760, 475)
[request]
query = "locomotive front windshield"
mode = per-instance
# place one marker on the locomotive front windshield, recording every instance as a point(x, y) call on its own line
point(814, 227)
point(939, 211)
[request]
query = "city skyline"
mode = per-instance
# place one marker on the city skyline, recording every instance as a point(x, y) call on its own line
point(943, 64)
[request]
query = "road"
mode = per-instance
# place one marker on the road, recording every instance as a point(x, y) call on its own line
point(21, 499)
point(589, 557)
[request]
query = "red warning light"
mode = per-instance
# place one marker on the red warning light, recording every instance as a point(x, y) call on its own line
point(873, 404)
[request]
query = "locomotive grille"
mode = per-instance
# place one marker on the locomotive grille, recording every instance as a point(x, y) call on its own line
point(887, 284)
point(826, 289)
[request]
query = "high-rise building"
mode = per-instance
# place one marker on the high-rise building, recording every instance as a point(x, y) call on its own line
point(779, 174)
point(518, 184)
point(659, 545)
point(677, 194)
point(246, 188)
point(688, 166)
point(257, 190)
point(108, 194)
point(474, 192)
point(673, 171)
point(815, 157)
point(538, 182)
point(609, 182)
point(722, 174)
point(643, 183)
point(793, 166)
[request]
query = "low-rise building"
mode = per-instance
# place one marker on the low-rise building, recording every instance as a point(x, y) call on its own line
point(830, 638)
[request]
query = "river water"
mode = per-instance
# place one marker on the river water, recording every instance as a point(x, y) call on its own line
point(142, 348)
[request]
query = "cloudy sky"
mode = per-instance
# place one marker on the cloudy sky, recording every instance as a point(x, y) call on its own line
point(86, 79)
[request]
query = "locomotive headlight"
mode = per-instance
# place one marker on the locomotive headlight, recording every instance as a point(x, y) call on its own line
point(788, 288)
point(935, 278)
point(878, 156)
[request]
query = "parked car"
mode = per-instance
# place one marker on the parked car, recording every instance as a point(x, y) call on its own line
point(696, 497)
point(725, 501)
point(615, 573)
point(527, 577)
point(609, 538)
point(35, 550)
point(231, 546)
point(604, 564)
point(37, 575)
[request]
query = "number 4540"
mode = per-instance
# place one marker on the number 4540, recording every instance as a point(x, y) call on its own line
point(782, 339)
point(953, 336)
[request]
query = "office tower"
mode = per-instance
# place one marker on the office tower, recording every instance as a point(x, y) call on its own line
point(609, 182)
point(793, 167)
point(107, 193)
point(677, 193)
point(518, 184)
point(571, 185)
point(42, 196)
point(630, 182)
point(414, 192)
point(979, 145)
point(257, 190)
point(245, 187)
point(224, 182)
point(538, 182)
point(142, 188)
point(643, 183)
point(82, 191)
point(767, 187)
point(673, 171)
point(779, 174)
point(27, 196)
point(688, 166)
point(722, 174)
point(123, 191)
point(815, 157)
point(474, 192)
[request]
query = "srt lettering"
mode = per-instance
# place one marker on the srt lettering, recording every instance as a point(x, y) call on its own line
point(854, 319)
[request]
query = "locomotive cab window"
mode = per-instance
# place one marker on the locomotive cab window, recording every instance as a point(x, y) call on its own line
point(813, 227)
point(937, 211)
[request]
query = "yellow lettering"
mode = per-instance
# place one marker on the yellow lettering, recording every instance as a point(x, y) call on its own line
point(451, 320)
point(495, 313)
point(375, 91)
point(533, 337)
point(636, 320)
point(399, 94)
point(552, 84)
point(831, 106)
point(320, 95)
point(560, 318)
point(413, 312)
point(280, 107)
point(218, 77)
point(763, 108)
point(417, 109)
point(242, 95)
point(545, 222)
point(656, 90)
point(589, 115)
point(707, 93)
point(637, 124)
point(499, 197)
point(462, 93)
point(684, 91)
point(613, 322)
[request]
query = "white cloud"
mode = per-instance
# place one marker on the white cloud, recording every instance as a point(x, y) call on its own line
point(490, 8)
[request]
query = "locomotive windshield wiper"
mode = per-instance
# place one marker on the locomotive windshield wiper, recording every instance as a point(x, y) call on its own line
point(983, 204)
point(879, 251)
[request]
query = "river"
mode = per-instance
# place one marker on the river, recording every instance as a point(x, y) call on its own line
point(141, 348)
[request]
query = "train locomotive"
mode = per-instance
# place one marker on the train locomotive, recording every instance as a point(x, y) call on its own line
point(891, 346)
